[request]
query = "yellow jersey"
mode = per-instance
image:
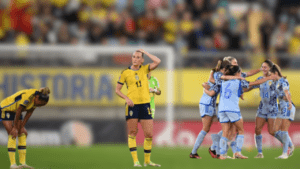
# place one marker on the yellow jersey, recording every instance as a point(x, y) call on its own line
point(23, 97)
point(137, 84)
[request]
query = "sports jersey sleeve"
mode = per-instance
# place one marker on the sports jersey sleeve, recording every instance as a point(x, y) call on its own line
point(217, 76)
point(146, 68)
point(285, 85)
point(244, 75)
point(244, 84)
point(216, 88)
point(156, 82)
point(27, 97)
point(122, 78)
point(257, 86)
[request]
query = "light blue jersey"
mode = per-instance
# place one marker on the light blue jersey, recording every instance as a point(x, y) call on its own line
point(268, 107)
point(231, 90)
point(208, 100)
point(284, 112)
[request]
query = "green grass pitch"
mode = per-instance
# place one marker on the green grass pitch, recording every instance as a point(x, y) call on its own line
point(118, 156)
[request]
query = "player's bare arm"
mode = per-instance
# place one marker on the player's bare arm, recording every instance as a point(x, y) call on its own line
point(156, 60)
point(14, 131)
point(253, 72)
point(119, 93)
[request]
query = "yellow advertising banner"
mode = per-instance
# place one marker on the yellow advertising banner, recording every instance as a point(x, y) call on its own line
point(96, 87)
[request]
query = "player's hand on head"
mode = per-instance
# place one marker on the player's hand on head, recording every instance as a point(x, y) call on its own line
point(129, 102)
point(141, 50)
point(14, 132)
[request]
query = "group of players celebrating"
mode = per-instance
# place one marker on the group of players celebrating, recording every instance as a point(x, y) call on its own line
point(229, 80)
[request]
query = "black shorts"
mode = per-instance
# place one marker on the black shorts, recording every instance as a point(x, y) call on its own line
point(9, 116)
point(138, 111)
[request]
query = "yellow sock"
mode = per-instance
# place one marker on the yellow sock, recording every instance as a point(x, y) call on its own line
point(22, 148)
point(132, 148)
point(11, 145)
point(147, 149)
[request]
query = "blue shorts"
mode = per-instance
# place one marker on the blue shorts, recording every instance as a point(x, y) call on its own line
point(267, 112)
point(206, 110)
point(9, 116)
point(227, 116)
point(285, 113)
point(138, 111)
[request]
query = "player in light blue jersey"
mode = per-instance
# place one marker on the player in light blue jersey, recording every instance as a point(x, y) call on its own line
point(268, 107)
point(214, 149)
point(207, 107)
point(286, 113)
point(229, 111)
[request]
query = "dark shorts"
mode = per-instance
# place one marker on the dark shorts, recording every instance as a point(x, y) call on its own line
point(9, 116)
point(138, 111)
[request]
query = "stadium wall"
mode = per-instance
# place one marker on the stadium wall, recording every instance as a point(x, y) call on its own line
point(96, 87)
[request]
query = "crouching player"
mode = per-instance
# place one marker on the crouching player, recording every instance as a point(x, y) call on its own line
point(229, 111)
point(11, 115)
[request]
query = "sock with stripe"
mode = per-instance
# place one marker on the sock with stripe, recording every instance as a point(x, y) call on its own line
point(258, 140)
point(147, 149)
point(198, 142)
point(239, 143)
point(132, 148)
point(223, 144)
point(22, 148)
point(285, 140)
point(11, 145)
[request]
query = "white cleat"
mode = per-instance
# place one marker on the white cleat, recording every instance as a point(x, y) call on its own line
point(26, 166)
point(283, 156)
point(259, 155)
point(152, 164)
point(239, 156)
point(14, 166)
point(291, 151)
point(137, 164)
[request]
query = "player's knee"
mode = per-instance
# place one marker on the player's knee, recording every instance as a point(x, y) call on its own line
point(206, 129)
point(148, 135)
point(257, 131)
point(133, 132)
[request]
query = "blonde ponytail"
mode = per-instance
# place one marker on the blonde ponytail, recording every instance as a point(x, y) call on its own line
point(45, 90)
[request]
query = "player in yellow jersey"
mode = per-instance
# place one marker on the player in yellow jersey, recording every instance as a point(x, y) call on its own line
point(11, 116)
point(138, 103)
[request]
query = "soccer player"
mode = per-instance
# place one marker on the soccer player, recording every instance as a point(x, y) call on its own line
point(229, 111)
point(154, 90)
point(214, 149)
point(12, 119)
point(268, 107)
point(286, 112)
point(207, 107)
point(138, 103)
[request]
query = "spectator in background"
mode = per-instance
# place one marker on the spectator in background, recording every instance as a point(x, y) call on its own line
point(163, 11)
point(266, 30)
point(180, 8)
point(96, 34)
point(63, 35)
point(151, 26)
point(208, 46)
point(171, 29)
point(197, 8)
point(294, 43)
point(280, 38)
point(220, 41)
point(195, 36)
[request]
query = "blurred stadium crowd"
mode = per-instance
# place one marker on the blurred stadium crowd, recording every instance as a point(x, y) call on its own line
point(188, 25)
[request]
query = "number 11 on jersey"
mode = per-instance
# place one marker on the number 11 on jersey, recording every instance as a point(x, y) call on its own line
point(139, 84)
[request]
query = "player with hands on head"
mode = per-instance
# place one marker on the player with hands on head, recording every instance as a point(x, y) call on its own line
point(137, 107)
